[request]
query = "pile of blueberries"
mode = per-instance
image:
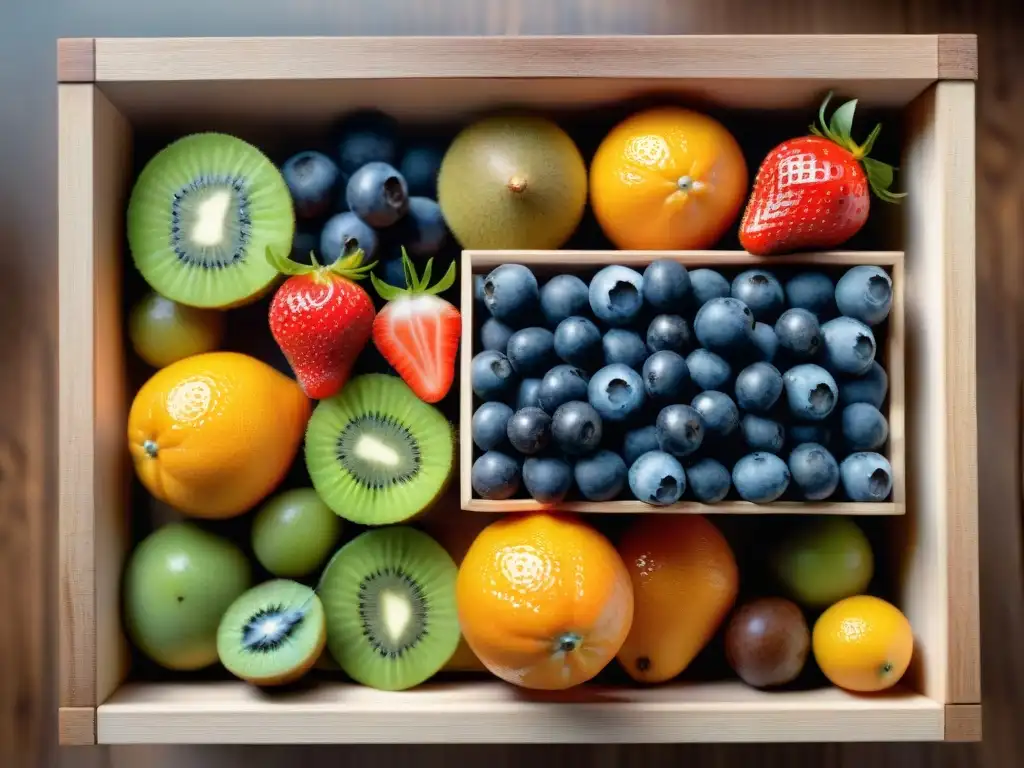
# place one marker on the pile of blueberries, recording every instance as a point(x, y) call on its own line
point(681, 384)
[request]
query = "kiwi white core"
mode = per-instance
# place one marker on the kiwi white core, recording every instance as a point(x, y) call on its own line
point(211, 219)
point(393, 611)
point(372, 450)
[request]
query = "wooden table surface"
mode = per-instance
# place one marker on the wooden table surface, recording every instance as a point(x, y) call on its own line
point(28, 314)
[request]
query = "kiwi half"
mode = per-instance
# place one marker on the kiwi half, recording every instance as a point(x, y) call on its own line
point(201, 216)
point(273, 634)
point(376, 453)
point(389, 598)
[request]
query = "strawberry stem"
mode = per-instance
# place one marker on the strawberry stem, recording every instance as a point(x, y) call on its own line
point(351, 267)
point(415, 285)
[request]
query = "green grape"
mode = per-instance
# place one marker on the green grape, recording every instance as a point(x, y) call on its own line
point(294, 532)
point(163, 331)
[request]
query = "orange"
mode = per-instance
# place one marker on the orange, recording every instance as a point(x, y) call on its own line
point(211, 435)
point(544, 600)
point(863, 644)
point(667, 179)
point(685, 581)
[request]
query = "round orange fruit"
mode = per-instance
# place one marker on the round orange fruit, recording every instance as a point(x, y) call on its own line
point(211, 435)
point(667, 179)
point(544, 600)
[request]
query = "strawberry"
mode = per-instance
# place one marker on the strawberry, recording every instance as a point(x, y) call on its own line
point(418, 332)
point(321, 319)
point(812, 192)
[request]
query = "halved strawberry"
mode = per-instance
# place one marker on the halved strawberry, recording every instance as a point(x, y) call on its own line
point(417, 332)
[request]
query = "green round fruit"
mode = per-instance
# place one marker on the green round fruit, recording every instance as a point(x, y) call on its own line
point(294, 532)
point(163, 331)
point(178, 583)
point(823, 560)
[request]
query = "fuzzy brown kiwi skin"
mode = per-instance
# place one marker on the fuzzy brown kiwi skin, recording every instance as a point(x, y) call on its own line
point(296, 673)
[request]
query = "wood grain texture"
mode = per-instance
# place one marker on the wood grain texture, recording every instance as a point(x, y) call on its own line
point(76, 60)
point(958, 57)
point(963, 722)
point(76, 726)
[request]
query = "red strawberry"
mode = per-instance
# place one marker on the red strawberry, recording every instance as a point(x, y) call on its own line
point(321, 319)
point(812, 192)
point(417, 332)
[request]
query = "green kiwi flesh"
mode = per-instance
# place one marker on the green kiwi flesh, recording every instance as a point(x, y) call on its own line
point(201, 216)
point(389, 598)
point(376, 453)
point(273, 634)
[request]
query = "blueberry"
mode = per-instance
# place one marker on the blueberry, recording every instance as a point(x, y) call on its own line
point(814, 470)
point(657, 478)
point(864, 427)
point(529, 394)
point(766, 343)
point(547, 478)
point(616, 295)
point(563, 296)
point(799, 333)
point(680, 430)
point(377, 194)
point(364, 137)
point(511, 294)
point(717, 411)
point(706, 284)
point(578, 342)
point(666, 285)
point(870, 387)
point(313, 179)
point(345, 233)
point(813, 291)
point(304, 243)
point(810, 391)
point(724, 326)
point(616, 392)
point(666, 376)
point(763, 434)
point(478, 290)
point(494, 334)
point(419, 166)
point(849, 345)
point(601, 477)
point(492, 375)
point(761, 291)
point(562, 384)
point(866, 476)
point(758, 387)
point(626, 347)
point(495, 476)
point(531, 351)
point(708, 370)
point(865, 294)
point(669, 332)
point(638, 442)
point(709, 481)
point(392, 272)
point(808, 433)
point(576, 428)
point(760, 477)
point(422, 231)
point(529, 430)
point(489, 425)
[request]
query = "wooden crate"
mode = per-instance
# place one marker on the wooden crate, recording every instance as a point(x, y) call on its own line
point(115, 91)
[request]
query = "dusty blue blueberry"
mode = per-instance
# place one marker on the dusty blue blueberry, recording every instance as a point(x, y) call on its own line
point(865, 293)
point(680, 429)
point(706, 284)
point(813, 291)
point(392, 272)
point(377, 194)
point(666, 285)
point(495, 475)
point(313, 179)
point(870, 387)
point(345, 233)
point(547, 478)
point(763, 434)
point(616, 295)
point(724, 326)
point(494, 335)
point(616, 392)
point(657, 478)
point(531, 351)
point(576, 428)
point(810, 391)
point(490, 422)
point(529, 394)
point(529, 430)
point(808, 433)
point(814, 470)
point(708, 370)
point(718, 412)
point(600, 477)
point(420, 165)
point(422, 231)
point(758, 387)
point(492, 375)
point(766, 343)
point(304, 242)
point(866, 476)
point(666, 376)
point(849, 345)
point(864, 427)
point(669, 332)
point(638, 442)
point(563, 296)
point(512, 295)
point(562, 384)
point(761, 291)
point(578, 342)
point(626, 347)
point(760, 477)
point(709, 481)
point(366, 136)
point(478, 290)
point(799, 333)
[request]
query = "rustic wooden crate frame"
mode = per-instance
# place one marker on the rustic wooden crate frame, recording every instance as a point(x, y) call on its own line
point(932, 75)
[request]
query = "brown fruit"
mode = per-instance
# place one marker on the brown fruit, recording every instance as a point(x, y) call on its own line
point(767, 642)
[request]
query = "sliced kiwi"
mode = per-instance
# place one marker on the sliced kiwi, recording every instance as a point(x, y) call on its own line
point(376, 453)
point(273, 634)
point(389, 598)
point(201, 216)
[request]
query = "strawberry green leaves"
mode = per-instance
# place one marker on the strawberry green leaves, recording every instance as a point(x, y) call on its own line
point(415, 285)
point(351, 266)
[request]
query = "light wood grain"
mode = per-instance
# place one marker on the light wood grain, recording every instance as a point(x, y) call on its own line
point(76, 60)
point(895, 366)
point(958, 57)
point(76, 726)
point(963, 722)
point(466, 308)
